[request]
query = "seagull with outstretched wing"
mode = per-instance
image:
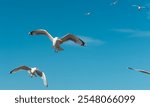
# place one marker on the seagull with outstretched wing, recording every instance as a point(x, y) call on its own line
point(139, 70)
point(58, 41)
point(88, 13)
point(139, 7)
point(32, 71)
point(114, 2)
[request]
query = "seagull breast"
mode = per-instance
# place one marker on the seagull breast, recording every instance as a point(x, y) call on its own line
point(56, 42)
point(33, 70)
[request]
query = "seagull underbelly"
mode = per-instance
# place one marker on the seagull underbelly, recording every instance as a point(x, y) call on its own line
point(56, 43)
point(33, 70)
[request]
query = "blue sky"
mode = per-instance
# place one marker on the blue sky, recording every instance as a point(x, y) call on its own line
point(116, 37)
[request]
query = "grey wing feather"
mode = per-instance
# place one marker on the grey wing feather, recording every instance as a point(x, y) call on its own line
point(143, 71)
point(135, 5)
point(38, 32)
point(20, 68)
point(130, 68)
point(139, 70)
point(42, 75)
point(39, 73)
point(73, 38)
point(41, 32)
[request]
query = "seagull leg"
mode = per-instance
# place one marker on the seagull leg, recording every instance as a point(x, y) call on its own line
point(31, 75)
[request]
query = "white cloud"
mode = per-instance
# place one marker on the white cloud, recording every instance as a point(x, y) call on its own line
point(124, 30)
point(134, 32)
point(92, 41)
point(148, 13)
point(89, 41)
point(148, 10)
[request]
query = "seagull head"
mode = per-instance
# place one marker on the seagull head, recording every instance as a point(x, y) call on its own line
point(35, 68)
point(56, 38)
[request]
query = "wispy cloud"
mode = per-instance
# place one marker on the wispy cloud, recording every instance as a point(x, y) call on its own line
point(124, 30)
point(148, 8)
point(134, 32)
point(88, 40)
point(92, 41)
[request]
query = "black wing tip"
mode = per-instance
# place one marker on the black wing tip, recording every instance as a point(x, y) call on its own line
point(10, 72)
point(30, 33)
point(130, 68)
point(83, 43)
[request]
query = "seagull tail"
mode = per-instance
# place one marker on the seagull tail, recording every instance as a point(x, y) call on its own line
point(60, 49)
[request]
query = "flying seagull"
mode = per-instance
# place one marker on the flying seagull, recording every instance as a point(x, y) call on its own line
point(139, 70)
point(32, 72)
point(139, 7)
point(114, 2)
point(88, 13)
point(58, 41)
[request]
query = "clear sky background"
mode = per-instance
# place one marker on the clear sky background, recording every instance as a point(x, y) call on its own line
point(116, 37)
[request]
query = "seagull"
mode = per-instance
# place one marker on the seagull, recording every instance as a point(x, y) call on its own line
point(139, 70)
point(32, 71)
point(88, 13)
point(114, 2)
point(58, 41)
point(139, 7)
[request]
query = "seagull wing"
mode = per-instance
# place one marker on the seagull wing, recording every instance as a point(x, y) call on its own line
point(143, 7)
point(43, 76)
point(41, 32)
point(73, 38)
point(88, 13)
point(20, 68)
point(135, 5)
point(130, 68)
point(114, 2)
point(139, 70)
